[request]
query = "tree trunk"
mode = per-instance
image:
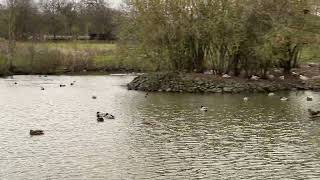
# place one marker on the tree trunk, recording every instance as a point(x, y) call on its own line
point(11, 34)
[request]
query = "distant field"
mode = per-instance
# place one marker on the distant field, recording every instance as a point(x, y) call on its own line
point(75, 45)
point(311, 54)
point(60, 57)
point(76, 56)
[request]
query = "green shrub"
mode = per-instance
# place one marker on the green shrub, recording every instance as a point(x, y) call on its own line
point(3, 65)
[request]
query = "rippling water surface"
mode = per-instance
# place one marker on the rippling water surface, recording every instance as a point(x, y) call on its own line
point(163, 136)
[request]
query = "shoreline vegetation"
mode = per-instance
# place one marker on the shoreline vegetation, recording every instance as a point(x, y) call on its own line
point(215, 45)
point(177, 82)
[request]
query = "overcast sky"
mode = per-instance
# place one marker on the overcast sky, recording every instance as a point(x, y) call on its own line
point(115, 3)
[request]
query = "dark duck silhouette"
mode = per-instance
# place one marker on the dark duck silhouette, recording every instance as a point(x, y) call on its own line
point(314, 114)
point(309, 98)
point(105, 115)
point(36, 132)
point(100, 119)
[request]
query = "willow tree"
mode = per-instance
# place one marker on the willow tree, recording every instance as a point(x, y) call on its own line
point(11, 21)
point(229, 36)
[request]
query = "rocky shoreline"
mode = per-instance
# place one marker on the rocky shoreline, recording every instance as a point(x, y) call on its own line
point(201, 83)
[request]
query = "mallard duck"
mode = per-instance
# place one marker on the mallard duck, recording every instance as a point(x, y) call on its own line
point(309, 98)
point(303, 78)
point(62, 85)
point(226, 76)
point(203, 108)
point(313, 113)
point(94, 97)
point(284, 99)
point(105, 115)
point(36, 132)
point(109, 116)
point(255, 78)
point(42, 88)
point(100, 119)
point(271, 94)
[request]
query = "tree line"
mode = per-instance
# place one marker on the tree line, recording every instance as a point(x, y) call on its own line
point(228, 36)
point(34, 19)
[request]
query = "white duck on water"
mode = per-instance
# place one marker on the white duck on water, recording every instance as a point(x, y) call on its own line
point(271, 94)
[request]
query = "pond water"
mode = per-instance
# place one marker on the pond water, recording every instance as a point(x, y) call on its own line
point(163, 136)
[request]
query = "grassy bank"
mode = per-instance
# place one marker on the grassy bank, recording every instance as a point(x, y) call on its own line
point(311, 54)
point(80, 57)
point(64, 57)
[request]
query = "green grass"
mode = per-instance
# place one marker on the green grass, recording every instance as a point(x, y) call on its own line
point(59, 57)
point(73, 57)
point(73, 45)
point(311, 54)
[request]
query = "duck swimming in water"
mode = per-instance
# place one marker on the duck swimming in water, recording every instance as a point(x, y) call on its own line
point(36, 132)
point(309, 98)
point(100, 119)
point(245, 99)
point(62, 85)
point(271, 94)
point(105, 115)
point(205, 109)
point(313, 113)
point(42, 88)
point(284, 99)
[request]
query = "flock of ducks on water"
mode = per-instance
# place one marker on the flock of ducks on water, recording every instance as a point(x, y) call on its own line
point(101, 117)
point(313, 114)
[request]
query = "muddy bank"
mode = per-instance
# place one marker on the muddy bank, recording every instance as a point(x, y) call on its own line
point(201, 83)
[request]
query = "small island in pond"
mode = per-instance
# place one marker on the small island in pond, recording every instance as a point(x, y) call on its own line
point(307, 77)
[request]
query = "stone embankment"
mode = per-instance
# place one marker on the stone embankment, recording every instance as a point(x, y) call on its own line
point(201, 83)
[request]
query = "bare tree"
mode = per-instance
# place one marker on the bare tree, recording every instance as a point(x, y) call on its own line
point(11, 4)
